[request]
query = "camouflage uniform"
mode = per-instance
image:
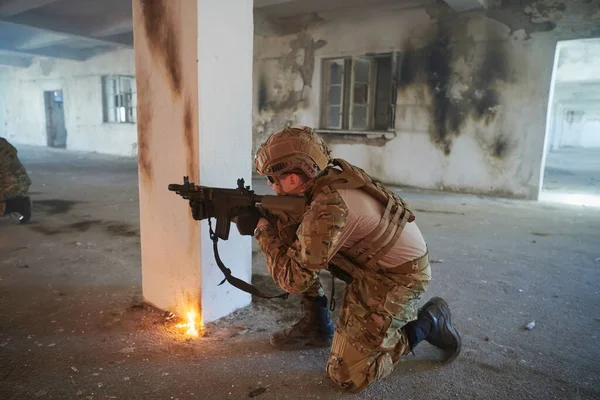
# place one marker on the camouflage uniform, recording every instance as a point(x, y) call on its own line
point(368, 340)
point(379, 321)
point(14, 181)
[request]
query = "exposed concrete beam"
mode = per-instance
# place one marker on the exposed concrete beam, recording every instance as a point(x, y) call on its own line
point(48, 38)
point(44, 39)
point(112, 28)
point(15, 60)
point(55, 52)
point(466, 5)
point(72, 54)
point(125, 39)
point(105, 25)
point(8, 8)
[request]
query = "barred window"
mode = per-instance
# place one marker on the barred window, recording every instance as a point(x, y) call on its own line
point(119, 99)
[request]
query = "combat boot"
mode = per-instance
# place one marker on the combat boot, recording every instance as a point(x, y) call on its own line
point(21, 205)
point(442, 334)
point(314, 329)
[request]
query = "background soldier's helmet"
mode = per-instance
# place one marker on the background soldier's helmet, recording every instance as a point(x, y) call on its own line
point(291, 149)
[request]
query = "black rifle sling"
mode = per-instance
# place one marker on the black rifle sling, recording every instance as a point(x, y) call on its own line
point(238, 283)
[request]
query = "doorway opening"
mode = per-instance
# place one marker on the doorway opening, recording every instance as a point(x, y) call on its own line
point(571, 163)
point(56, 133)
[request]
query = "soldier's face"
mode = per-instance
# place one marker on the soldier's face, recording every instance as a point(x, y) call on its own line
point(285, 184)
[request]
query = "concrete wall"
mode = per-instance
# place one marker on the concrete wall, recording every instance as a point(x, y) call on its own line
point(575, 111)
point(472, 96)
point(575, 124)
point(579, 61)
point(583, 128)
point(23, 113)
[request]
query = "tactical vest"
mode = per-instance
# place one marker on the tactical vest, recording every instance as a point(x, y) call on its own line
point(367, 252)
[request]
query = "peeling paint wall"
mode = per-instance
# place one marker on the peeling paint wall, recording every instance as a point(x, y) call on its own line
point(472, 94)
point(282, 83)
point(23, 112)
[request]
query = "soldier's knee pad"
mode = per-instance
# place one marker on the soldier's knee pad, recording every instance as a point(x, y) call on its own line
point(354, 371)
point(339, 373)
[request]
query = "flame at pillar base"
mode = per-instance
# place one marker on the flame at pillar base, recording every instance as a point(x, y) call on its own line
point(192, 324)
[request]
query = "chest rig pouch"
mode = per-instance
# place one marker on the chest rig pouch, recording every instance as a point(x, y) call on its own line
point(368, 251)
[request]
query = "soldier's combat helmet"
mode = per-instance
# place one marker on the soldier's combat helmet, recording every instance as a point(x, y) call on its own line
point(291, 149)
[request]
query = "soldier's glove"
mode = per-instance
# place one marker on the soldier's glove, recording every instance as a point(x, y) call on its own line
point(246, 221)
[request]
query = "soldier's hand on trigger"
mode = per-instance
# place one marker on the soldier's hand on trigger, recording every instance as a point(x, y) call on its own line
point(247, 221)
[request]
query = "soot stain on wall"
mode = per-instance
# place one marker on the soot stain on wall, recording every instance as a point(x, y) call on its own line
point(432, 66)
point(484, 93)
point(163, 39)
point(144, 118)
point(262, 93)
point(190, 142)
point(445, 115)
point(500, 147)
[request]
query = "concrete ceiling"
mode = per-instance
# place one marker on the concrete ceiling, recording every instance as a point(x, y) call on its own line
point(69, 29)
point(79, 29)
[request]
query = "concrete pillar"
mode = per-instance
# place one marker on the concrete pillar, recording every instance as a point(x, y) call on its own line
point(194, 89)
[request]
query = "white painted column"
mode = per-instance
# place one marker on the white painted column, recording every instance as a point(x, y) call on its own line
point(194, 89)
point(225, 57)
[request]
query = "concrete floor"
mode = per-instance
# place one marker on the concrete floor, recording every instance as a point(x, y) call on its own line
point(572, 174)
point(72, 325)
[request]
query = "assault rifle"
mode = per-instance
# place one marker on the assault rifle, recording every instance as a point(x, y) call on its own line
point(225, 205)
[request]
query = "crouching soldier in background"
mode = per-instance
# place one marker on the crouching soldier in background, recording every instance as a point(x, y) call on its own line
point(14, 184)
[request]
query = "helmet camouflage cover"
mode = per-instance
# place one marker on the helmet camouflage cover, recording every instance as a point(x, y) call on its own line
point(291, 149)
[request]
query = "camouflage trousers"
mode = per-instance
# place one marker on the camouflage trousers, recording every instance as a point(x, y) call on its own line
point(368, 340)
point(14, 182)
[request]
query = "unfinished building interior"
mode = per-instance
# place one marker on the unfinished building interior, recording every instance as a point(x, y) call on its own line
point(483, 114)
